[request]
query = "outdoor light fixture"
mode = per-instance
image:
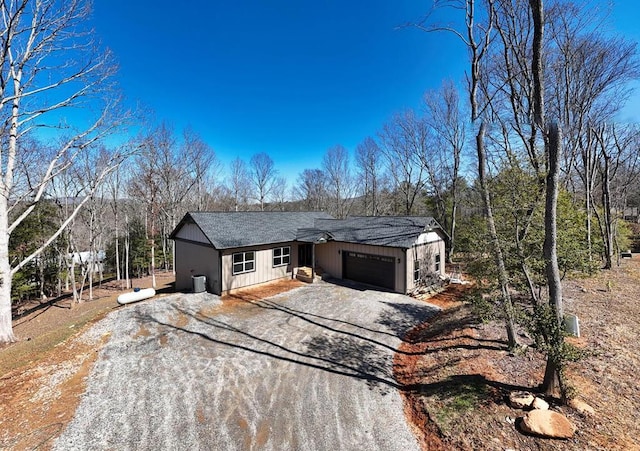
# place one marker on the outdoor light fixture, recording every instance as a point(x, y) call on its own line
point(338, 251)
point(399, 260)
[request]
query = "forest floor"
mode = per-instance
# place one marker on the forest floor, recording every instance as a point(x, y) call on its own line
point(460, 364)
point(463, 371)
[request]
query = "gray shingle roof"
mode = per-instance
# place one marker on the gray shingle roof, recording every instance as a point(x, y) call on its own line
point(393, 231)
point(227, 230)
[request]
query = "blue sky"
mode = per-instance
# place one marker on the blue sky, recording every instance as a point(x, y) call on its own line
point(289, 78)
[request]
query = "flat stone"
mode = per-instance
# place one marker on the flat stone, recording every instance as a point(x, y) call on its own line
point(581, 406)
point(520, 399)
point(547, 423)
point(540, 404)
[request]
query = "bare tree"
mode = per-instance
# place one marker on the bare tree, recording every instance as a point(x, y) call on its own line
point(262, 173)
point(238, 184)
point(279, 193)
point(311, 189)
point(404, 142)
point(444, 117)
point(202, 166)
point(369, 165)
point(339, 180)
point(48, 63)
point(477, 37)
point(617, 168)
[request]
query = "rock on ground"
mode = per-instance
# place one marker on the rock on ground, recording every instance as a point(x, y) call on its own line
point(547, 423)
point(520, 399)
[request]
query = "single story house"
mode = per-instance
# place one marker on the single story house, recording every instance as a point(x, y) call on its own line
point(239, 249)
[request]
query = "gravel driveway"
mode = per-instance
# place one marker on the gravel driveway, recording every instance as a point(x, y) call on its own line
point(310, 369)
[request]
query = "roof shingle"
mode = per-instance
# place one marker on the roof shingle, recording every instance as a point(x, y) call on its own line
point(227, 230)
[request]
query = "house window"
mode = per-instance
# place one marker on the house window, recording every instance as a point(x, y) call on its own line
point(244, 262)
point(281, 256)
point(437, 263)
point(416, 270)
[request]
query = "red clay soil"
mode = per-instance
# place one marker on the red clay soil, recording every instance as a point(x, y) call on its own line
point(42, 375)
point(457, 372)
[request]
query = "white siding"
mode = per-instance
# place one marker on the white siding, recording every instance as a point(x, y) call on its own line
point(428, 237)
point(328, 258)
point(264, 270)
point(425, 247)
point(192, 232)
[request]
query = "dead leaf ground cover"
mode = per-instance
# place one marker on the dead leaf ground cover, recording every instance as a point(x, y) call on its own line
point(457, 371)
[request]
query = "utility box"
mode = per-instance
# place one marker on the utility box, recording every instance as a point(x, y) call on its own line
point(199, 283)
point(572, 325)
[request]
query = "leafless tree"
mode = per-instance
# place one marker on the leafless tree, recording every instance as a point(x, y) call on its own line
point(311, 189)
point(369, 166)
point(444, 117)
point(280, 193)
point(617, 168)
point(48, 63)
point(262, 173)
point(405, 139)
point(238, 184)
point(202, 166)
point(477, 37)
point(339, 180)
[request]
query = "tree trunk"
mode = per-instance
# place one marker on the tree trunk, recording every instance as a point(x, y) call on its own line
point(6, 327)
point(553, 372)
point(503, 278)
point(452, 230)
point(117, 248)
point(606, 207)
point(173, 247)
point(153, 263)
point(126, 260)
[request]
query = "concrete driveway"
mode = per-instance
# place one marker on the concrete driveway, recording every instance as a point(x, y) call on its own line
point(310, 369)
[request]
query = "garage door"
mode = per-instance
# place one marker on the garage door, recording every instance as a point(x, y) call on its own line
point(376, 270)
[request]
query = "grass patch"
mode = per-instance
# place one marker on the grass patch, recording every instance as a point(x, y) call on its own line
point(451, 400)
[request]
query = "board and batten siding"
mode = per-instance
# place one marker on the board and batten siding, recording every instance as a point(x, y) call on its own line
point(192, 232)
point(328, 258)
point(193, 259)
point(264, 269)
point(195, 256)
point(426, 246)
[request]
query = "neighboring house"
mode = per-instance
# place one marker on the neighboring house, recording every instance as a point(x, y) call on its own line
point(239, 249)
point(92, 260)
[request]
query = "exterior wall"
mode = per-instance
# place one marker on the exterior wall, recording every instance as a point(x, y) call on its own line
point(192, 232)
point(264, 270)
point(328, 258)
point(194, 259)
point(426, 247)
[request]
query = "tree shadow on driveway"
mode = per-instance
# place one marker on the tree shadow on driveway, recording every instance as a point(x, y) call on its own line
point(329, 344)
point(342, 355)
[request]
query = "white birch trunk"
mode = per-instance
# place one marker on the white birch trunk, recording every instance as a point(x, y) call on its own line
point(6, 327)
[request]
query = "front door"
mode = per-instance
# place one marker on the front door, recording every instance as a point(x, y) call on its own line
point(305, 255)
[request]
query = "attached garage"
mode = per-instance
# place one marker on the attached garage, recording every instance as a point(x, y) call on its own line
point(378, 270)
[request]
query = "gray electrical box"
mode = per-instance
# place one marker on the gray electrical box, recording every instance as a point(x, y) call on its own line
point(572, 324)
point(199, 283)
